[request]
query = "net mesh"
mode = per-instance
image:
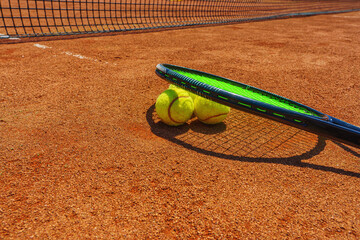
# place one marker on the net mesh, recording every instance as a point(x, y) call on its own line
point(28, 18)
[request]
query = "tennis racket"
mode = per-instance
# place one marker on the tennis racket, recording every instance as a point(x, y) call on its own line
point(260, 102)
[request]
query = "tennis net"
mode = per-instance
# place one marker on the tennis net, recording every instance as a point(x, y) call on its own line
point(32, 18)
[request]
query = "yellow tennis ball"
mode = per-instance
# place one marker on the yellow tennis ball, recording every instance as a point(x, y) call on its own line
point(174, 107)
point(210, 112)
point(192, 95)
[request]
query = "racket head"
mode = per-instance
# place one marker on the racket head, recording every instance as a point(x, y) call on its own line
point(238, 95)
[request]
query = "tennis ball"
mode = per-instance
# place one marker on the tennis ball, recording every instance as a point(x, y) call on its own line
point(192, 95)
point(174, 107)
point(210, 112)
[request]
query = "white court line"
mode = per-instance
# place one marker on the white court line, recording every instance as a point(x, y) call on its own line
point(72, 54)
point(340, 16)
point(3, 36)
point(41, 46)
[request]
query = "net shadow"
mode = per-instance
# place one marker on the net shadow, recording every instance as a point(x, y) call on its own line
point(248, 138)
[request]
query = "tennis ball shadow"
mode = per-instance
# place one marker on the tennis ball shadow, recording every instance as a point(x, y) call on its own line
point(203, 128)
point(161, 129)
point(166, 131)
point(247, 138)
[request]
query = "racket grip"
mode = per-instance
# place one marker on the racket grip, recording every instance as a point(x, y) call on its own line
point(345, 124)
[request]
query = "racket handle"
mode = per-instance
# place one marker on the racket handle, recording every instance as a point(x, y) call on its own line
point(343, 132)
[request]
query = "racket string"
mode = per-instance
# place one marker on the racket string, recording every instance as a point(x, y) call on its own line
point(248, 92)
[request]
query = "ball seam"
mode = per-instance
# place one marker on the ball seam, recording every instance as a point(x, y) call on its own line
point(169, 108)
point(214, 116)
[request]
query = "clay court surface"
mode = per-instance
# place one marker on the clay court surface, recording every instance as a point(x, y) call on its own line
point(83, 154)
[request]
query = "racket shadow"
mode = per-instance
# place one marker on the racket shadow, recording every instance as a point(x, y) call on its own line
point(348, 149)
point(248, 138)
